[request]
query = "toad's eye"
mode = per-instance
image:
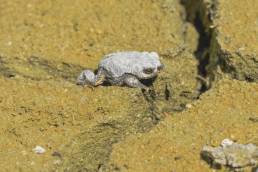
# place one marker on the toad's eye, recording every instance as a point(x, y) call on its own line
point(148, 70)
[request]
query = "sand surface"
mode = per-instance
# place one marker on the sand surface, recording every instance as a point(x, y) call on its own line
point(44, 45)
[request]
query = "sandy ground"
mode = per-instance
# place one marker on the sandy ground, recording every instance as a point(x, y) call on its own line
point(235, 36)
point(43, 47)
point(226, 111)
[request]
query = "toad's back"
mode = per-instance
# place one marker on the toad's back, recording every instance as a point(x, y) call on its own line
point(117, 64)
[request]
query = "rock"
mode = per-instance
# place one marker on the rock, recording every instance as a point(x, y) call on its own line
point(214, 154)
point(226, 142)
point(39, 150)
point(188, 105)
point(232, 155)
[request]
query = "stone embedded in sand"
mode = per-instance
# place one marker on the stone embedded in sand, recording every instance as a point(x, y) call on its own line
point(39, 150)
point(232, 155)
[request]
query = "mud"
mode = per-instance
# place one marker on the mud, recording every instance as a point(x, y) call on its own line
point(44, 45)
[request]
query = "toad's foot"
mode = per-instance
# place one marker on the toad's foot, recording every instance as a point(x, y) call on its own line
point(88, 86)
point(132, 81)
point(100, 77)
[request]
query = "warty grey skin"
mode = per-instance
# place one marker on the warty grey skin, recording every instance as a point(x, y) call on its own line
point(123, 68)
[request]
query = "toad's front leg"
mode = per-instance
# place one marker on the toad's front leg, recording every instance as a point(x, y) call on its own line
point(132, 81)
point(100, 77)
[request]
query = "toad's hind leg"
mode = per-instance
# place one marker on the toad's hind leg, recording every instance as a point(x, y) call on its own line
point(132, 81)
point(100, 77)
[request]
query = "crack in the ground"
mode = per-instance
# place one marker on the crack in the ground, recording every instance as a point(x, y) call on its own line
point(202, 20)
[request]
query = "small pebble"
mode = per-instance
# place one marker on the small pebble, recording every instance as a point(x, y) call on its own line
point(188, 105)
point(226, 142)
point(39, 150)
point(9, 43)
